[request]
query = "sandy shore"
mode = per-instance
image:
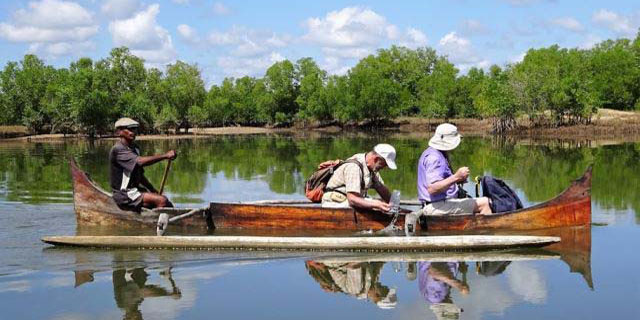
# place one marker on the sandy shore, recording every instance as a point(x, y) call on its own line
point(608, 126)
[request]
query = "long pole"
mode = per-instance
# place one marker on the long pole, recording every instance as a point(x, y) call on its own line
point(164, 176)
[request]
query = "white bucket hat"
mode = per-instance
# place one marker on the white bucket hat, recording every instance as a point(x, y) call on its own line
point(388, 152)
point(446, 137)
point(126, 123)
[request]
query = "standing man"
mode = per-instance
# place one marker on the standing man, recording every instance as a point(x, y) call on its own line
point(131, 189)
point(350, 182)
point(437, 184)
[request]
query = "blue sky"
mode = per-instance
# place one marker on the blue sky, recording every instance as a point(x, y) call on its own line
point(237, 38)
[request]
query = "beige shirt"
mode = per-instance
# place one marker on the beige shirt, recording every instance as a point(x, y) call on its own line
point(347, 179)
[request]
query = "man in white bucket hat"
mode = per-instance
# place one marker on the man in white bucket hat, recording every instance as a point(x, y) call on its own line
point(437, 184)
point(350, 182)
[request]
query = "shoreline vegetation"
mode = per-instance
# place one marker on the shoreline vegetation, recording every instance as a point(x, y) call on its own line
point(607, 125)
point(552, 91)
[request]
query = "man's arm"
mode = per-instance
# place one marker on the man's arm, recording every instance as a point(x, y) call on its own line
point(356, 201)
point(440, 186)
point(149, 160)
point(383, 191)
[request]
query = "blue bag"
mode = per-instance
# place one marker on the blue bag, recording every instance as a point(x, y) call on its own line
point(503, 199)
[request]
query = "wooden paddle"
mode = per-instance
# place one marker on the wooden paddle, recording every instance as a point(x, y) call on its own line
point(164, 176)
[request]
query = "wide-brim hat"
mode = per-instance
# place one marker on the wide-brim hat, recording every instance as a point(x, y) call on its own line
point(445, 138)
point(126, 123)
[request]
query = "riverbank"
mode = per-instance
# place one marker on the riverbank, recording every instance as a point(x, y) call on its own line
point(607, 124)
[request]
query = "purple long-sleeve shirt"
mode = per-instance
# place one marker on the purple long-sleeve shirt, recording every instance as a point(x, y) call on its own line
point(433, 167)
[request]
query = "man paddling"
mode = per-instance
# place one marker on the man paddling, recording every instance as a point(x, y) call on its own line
point(349, 184)
point(437, 184)
point(131, 189)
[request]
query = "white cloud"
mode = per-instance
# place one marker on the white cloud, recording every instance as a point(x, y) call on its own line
point(335, 65)
point(142, 34)
point(53, 25)
point(244, 42)
point(120, 9)
point(355, 32)
point(180, 1)
point(528, 282)
point(220, 9)
point(414, 38)
point(568, 23)
point(61, 48)
point(53, 14)
point(352, 26)
point(461, 52)
point(251, 66)
point(33, 34)
point(615, 22)
point(346, 53)
point(518, 58)
point(188, 34)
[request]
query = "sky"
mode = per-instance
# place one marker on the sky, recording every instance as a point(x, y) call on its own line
point(238, 38)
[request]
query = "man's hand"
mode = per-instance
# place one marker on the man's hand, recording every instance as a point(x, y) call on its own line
point(381, 206)
point(171, 155)
point(462, 174)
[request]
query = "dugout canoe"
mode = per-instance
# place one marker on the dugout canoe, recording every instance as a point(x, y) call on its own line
point(95, 207)
point(430, 243)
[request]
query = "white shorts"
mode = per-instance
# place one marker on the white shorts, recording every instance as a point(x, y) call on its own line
point(450, 207)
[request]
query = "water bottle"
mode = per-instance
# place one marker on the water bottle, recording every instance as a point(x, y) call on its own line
point(394, 202)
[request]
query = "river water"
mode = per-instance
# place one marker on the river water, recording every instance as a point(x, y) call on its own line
point(593, 277)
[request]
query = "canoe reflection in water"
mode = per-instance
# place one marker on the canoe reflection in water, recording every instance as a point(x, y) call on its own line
point(361, 280)
point(435, 281)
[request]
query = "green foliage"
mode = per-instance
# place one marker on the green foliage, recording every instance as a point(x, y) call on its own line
point(184, 90)
point(437, 91)
point(90, 96)
point(282, 89)
point(496, 100)
point(616, 73)
point(32, 82)
point(311, 81)
point(375, 95)
point(552, 86)
point(10, 101)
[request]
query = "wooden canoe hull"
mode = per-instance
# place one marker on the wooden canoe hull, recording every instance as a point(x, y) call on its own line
point(93, 206)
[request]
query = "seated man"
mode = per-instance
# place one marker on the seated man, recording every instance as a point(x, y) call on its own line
point(131, 189)
point(349, 184)
point(437, 184)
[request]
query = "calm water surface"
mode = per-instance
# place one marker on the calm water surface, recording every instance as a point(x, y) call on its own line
point(592, 277)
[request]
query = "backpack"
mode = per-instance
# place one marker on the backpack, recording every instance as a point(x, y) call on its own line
point(503, 199)
point(315, 185)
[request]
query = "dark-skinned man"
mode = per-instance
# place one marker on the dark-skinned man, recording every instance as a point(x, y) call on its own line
point(348, 186)
point(131, 189)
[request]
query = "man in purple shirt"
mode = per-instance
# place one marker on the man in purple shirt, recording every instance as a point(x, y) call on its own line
point(437, 184)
